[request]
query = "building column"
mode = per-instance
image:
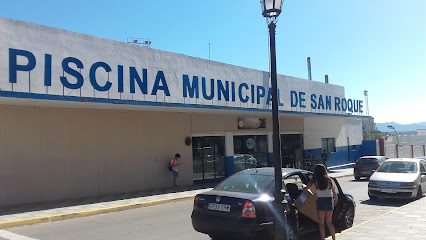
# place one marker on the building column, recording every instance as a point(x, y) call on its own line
point(229, 153)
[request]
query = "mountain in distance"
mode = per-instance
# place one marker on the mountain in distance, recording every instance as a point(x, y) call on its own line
point(400, 128)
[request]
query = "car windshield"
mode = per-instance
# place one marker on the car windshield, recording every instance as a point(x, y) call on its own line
point(398, 167)
point(247, 183)
point(367, 160)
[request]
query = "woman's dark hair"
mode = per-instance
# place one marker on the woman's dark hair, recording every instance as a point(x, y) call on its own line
point(321, 178)
point(177, 155)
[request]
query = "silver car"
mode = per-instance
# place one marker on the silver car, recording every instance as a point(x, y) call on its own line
point(398, 178)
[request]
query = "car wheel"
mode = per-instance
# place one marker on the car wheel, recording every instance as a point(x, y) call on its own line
point(348, 219)
point(419, 193)
point(357, 178)
point(372, 197)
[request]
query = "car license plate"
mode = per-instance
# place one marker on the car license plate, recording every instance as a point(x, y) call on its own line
point(219, 207)
point(365, 172)
point(388, 190)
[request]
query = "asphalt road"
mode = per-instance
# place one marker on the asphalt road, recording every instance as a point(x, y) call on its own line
point(170, 221)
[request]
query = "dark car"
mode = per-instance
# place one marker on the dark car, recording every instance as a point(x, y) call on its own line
point(365, 166)
point(241, 205)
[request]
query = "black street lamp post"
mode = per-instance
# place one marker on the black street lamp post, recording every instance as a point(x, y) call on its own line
point(271, 9)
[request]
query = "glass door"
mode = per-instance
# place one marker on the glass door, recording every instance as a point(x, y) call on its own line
point(208, 157)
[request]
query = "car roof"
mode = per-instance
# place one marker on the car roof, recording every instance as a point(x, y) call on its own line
point(422, 157)
point(372, 157)
point(271, 171)
point(403, 160)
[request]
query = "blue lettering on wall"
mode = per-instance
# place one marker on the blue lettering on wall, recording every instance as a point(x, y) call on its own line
point(344, 104)
point(13, 63)
point(252, 93)
point(260, 93)
point(336, 103)
point(143, 85)
point(294, 99)
point(93, 81)
point(356, 107)
point(240, 92)
point(163, 86)
point(211, 96)
point(188, 89)
point(72, 72)
point(320, 102)
point(350, 105)
point(302, 99)
point(120, 78)
point(328, 102)
point(233, 91)
point(221, 90)
point(72, 78)
point(313, 101)
point(47, 70)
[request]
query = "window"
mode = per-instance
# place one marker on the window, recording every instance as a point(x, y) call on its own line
point(336, 189)
point(422, 166)
point(294, 179)
point(247, 183)
point(328, 144)
point(398, 167)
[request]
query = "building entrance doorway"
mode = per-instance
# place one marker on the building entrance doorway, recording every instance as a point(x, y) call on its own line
point(292, 150)
point(250, 151)
point(208, 157)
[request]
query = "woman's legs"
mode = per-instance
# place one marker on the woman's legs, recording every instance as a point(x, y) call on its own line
point(329, 221)
point(321, 220)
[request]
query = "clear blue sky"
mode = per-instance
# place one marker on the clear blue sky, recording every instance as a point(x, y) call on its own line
point(373, 45)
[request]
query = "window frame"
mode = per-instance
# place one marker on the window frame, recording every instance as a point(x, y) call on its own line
point(327, 147)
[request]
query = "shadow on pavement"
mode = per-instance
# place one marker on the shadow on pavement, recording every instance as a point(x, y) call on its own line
point(388, 202)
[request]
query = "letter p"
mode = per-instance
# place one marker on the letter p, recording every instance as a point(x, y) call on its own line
point(13, 63)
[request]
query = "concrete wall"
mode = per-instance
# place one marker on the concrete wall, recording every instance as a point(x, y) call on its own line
point(61, 64)
point(54, 153)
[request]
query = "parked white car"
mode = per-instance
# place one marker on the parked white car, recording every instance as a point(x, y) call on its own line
point(398, 178)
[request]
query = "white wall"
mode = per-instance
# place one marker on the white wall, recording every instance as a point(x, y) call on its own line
point(61, 44)
point(329, 127)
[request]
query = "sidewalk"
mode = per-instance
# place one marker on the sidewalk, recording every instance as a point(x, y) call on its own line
point(25, 214)
point(404, 223)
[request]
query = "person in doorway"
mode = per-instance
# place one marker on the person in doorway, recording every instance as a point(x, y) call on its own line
point(174, 162)
point(309, 162)
point(325, 157)
point(326, 199)
point(310, 156)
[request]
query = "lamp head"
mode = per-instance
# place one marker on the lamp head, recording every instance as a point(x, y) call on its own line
point(271, 8)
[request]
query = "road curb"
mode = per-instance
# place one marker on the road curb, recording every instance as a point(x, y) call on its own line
point(30, 221)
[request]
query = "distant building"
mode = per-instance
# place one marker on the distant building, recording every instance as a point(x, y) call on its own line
point(421, 132)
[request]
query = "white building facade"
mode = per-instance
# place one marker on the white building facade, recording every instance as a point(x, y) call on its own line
point(86, 116)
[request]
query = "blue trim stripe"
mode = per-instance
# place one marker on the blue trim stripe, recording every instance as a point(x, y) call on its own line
point(159, 104)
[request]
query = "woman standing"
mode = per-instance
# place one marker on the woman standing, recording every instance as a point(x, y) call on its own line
point(326, 199)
